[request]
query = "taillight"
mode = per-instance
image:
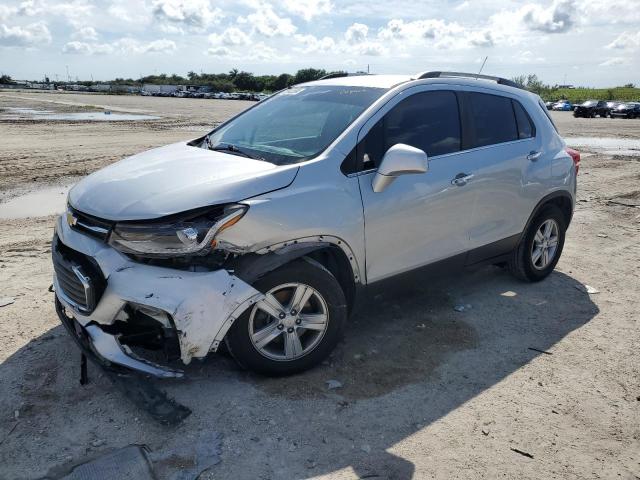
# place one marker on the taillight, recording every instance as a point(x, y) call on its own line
point(575, 156)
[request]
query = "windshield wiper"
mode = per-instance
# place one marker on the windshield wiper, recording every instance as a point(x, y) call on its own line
point(228, 147)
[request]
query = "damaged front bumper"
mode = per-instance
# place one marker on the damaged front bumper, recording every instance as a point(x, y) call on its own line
point(102, 292)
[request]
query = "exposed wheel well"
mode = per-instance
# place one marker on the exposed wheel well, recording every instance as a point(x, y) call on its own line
point(336, 261)
point(565, 206)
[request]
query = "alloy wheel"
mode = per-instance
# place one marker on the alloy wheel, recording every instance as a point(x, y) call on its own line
point(545, 244)
point(289, 322)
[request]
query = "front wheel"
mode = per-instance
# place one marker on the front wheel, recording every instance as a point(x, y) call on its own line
point(541, 246)
point(296, 325)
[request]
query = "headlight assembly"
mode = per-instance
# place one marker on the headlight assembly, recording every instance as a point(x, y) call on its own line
point(195, 236)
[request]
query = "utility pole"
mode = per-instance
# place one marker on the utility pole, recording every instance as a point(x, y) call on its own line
point(68, 76)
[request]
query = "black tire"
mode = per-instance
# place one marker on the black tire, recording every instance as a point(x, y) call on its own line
point(307, 272)
point(521, 263)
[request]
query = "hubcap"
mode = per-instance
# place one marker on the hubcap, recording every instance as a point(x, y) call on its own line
point(545, 244)
point(289, 322)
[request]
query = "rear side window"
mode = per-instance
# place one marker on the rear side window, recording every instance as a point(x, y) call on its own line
point(493, 119)
point(526, 129)
point(429, 121)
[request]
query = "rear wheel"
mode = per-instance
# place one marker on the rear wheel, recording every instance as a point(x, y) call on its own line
point(296, 325)
point(541, 246)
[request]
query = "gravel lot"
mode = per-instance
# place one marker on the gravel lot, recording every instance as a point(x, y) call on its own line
point(532, 381)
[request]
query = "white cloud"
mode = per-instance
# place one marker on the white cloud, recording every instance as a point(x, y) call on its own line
point(219, 51)
point(123, 46)
point(308, 9)
point(373, 49)
point(625, 41)
point(230, 37)
point(356, 33)
point(83, 48)
point(32, 35)
point(266, 22)
point(435, 33)
point(558, 18)
point(197, 15)
point(311, 43)
point(614, 61)
point(85, 33)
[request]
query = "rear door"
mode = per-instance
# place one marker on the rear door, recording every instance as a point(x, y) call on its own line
point(508, 163)
point(419, 218)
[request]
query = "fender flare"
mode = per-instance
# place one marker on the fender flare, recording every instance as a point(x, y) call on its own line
point(545, 200)
point(252, 266)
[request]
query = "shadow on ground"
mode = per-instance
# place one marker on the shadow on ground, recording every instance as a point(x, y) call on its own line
point(407, 360)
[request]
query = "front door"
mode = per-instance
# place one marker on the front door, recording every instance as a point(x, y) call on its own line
point(420, 218)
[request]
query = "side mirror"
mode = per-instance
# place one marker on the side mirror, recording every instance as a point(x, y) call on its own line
point(399, 160)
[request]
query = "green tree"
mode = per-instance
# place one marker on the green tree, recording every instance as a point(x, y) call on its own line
point(6, 79)
point(282, 81)
point(308, 75)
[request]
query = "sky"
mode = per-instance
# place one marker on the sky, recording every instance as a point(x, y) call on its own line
point(579, 42)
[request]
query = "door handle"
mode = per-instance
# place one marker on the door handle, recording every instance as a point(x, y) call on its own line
point(461, 179)
point(533, 155)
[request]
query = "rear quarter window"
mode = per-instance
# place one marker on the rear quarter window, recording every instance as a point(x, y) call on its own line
point(526, 128)
point(546, 112)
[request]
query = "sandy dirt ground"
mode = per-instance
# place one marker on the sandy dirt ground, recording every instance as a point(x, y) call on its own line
point(530, 381)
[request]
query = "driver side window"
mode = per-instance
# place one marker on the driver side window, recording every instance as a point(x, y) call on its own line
point(428, 120)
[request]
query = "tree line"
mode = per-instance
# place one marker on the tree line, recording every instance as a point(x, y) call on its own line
point(234, 80)
point(531, 82)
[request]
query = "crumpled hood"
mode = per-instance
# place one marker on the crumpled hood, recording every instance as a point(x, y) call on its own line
point(173, 179)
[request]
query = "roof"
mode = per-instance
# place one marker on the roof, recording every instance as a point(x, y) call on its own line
point(390, 81)
point(379, 81)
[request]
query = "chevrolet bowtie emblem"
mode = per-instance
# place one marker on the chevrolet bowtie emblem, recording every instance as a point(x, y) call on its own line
point(71, 220)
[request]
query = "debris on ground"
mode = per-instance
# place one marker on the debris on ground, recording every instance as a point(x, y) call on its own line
point(539, 351)
point(128, 463)
point(4, 301)
point(333, 384)
point(190, 457)
point(602, 235)
point(587, 289)
point(524, 454)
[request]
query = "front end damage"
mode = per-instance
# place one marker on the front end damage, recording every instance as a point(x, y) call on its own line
point(119, 305)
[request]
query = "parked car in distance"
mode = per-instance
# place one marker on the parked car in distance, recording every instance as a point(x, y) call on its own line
point(563, 105)
point(549, 105)
point(591, 108)
point(265, 232)
point(626, 110)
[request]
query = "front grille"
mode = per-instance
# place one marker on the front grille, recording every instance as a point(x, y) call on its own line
point(79, 279)
point(88, 224)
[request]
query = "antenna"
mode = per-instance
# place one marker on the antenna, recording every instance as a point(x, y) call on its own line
point(485, 61)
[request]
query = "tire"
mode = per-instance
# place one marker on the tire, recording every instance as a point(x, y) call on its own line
point(325, 297)
point(522, 264)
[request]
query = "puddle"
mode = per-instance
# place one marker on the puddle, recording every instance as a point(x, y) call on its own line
point(13, 113)
point(614, 146)
point(38, 203)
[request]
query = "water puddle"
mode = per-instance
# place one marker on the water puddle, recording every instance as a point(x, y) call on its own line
point(13, 113)
point(613, 146)
point(38, 203)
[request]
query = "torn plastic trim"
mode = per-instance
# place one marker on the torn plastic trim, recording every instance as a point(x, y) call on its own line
point(107, 347)
point(251, 265)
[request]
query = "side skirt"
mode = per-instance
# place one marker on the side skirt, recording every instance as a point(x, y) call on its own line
point(492, 253)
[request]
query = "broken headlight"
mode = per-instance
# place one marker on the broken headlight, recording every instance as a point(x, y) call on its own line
point(188, 236)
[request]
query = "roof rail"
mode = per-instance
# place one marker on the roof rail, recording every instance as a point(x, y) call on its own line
point(501, 81)
point(342, 74)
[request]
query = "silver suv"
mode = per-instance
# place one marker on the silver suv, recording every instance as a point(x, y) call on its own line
point(262, 234)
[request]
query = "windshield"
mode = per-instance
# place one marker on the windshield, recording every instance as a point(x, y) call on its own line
point(295, 125)
point(589, 103)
